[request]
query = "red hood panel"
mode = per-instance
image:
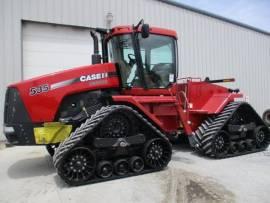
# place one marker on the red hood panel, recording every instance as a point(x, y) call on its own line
point(43, 95)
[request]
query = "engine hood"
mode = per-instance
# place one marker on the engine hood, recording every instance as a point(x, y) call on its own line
point(42, 95)
point(69, 74)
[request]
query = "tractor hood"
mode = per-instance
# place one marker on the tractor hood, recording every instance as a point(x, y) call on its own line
point(42, 95)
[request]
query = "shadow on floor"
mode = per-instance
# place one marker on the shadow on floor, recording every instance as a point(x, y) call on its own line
point(39, 166)
point(185, 148)
point(59, 182)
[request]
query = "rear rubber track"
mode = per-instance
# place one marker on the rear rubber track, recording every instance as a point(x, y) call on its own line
point(209, 129)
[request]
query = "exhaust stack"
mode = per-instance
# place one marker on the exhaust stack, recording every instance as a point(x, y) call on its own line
point(96, 57)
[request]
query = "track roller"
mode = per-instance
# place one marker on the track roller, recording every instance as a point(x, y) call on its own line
point(242, 145)
point(233, 147)
point(136, 164)
point(121, 167)
point(104, 169)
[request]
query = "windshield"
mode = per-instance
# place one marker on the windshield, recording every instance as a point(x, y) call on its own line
point(158, 58)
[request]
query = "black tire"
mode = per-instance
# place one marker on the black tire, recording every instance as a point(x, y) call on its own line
point(157, 153)
point(77, 166)
point(104, 169)
point(136, 164)
point(51, 148)
point(121, 167)
point(266, 117)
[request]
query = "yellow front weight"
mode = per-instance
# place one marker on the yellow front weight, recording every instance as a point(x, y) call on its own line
point(52, 133)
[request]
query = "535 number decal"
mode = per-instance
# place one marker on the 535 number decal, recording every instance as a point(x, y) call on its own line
point(39, 89)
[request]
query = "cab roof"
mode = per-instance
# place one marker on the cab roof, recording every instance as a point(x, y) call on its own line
point(154, 30)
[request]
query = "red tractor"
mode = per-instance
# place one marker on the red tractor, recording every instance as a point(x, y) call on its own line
point(114, 118)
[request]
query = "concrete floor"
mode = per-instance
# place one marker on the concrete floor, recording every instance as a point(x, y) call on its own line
point(27, 175)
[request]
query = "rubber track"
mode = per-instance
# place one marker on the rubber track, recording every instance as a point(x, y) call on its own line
point(211, 126)
point(90, 124)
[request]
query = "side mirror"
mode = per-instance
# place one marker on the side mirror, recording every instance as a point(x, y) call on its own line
point(145, 30)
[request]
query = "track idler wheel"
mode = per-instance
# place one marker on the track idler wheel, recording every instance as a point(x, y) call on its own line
point(104, 169)
point(121, 167)
point(136, 164)
point(221, 144)
point(78, 166)
point(261, 136)
point(157, 153)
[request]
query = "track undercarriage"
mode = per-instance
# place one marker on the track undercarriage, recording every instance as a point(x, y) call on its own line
point(118, 142)
point(237, 130)
point(114, 142)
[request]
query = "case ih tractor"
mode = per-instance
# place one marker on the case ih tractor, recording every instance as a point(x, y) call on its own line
point(114, 118)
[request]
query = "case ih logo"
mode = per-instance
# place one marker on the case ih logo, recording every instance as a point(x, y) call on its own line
point(85, 78)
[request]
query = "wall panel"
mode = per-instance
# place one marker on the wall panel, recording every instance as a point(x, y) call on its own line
point(207, 46)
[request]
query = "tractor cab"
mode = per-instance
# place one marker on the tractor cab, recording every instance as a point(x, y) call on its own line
point(146, 57)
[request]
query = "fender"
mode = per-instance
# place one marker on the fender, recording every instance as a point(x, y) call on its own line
point(216, 103)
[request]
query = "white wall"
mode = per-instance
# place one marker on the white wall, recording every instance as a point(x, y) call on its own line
point(207, 46)
point(49, 48)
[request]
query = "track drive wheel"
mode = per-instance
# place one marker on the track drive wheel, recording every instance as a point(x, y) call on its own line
point(261, 136)
point(51, 148)
point(104, 169)
point(78, 166)
point(221, 144)
point(157, 153)
point(115, 126)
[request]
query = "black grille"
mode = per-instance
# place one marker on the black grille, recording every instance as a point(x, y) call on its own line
point(15, 111)
point(8, 108)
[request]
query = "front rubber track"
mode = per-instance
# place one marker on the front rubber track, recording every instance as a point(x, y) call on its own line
point(88, 127)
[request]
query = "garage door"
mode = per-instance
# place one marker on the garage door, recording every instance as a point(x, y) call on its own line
point(48, 48)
